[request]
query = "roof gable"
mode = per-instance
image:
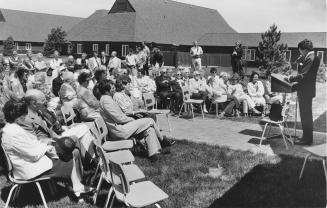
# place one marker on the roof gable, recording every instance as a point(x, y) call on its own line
point(160, 21)
point(121, 6)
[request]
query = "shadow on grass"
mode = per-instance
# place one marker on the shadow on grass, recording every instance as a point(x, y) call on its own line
point(277, 185)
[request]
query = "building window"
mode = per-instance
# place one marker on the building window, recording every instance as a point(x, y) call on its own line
point(124, 50)
point(320, 54)
point(28, 46)
point(17, 46)
point(288, 55)
point(96, 47)
point(79, 48)
point(107, 49)
point(249, 54)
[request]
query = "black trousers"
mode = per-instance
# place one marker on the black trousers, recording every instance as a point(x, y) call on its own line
point(231, 103)
point(175, 96)
point(305, 105)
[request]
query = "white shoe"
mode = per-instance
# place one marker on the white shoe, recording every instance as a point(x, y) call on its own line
point(205, 110)
point(85, 190)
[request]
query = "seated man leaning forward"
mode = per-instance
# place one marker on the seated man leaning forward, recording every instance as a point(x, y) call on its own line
point(43, 123)
point(123, 127)
point(32, 158)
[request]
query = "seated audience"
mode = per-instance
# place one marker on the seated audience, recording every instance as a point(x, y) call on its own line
point(123, 127)
point(67, 92)
point(198, 88)
point(33, 158)
point(121, 98)
point(70, 64)
point(15, 60)
point(145, 83)
point(134, 91)
point(88, 104)
point(269, 96)
point(99, 75)
point(236, 89)
point(40, 63)
point(256, 91)
point(219, 93)
point(18, 83)
point(58, 81)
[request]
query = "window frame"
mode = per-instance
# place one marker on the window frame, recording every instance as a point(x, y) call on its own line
point(124, 52)
point(290, 56)
point(17, 46)
point(107, 51)
point(322, 56)
point(79, 48)
point(28, 46)
point(95, 45)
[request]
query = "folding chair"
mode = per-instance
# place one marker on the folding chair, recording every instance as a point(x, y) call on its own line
point(319, 151)
point(281, 124)
point(125, 158)
point(68, 114)
point(188, 102)
point(137, 194)
point(150, 102)
point(18, 183)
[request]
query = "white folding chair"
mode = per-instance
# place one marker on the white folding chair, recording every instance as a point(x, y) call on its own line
point(125, 158)
point(188, 103)
point(319, 151)
point(19, 183)
point(136, 194)
point(281, 124)
point(150, 103)
point(68, 114)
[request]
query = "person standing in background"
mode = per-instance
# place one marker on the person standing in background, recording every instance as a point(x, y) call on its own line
point(196, 53)
point(236, 59)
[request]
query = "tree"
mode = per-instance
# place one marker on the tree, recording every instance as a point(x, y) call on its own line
point(271, 55)
point(56, 41)
point(8, 46)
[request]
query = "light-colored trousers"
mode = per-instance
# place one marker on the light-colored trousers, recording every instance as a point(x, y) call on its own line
point(196, 64)
point(142, 128)
point(248, 99)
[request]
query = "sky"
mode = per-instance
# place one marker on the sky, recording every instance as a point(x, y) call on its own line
point(242, 15)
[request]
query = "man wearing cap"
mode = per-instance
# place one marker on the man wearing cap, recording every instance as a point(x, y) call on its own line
point(198, 88)
point(196, 53)
point(58, 81)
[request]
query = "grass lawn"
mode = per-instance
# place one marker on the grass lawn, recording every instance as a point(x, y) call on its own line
point(199, 175)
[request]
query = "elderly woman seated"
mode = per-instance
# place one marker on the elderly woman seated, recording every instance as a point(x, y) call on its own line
point(32, 157)
point(236, 89)
point(256, 91)
point(68, 90)
point(219, 94)
point(88, 104)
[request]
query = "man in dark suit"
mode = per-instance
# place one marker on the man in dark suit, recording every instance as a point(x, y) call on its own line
point(306, 89)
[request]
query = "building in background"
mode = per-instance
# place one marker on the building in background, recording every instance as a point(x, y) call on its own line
point(30, 29)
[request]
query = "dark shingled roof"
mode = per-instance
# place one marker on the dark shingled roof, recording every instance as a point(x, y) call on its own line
point(160, 21)
point(253, 39)
point(31, 26)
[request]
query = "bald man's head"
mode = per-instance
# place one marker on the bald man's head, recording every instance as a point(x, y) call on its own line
point(35, 100)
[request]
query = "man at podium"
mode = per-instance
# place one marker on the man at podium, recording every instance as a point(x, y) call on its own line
point(306, 88)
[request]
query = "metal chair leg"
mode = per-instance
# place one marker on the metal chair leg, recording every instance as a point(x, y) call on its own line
point(192, 110)
point(108, 197)
point(325, 168)
point(42, 195)
point(268, 130)
point(284, 138)
point(10, 193)
point(51, 188)
point(263, 133)
point(168, 122)
point(180, 111)
point(157, 205)
point(217, 110)
point(202, 111)
point(95, 196)
point(305, 161)
point(16, 193)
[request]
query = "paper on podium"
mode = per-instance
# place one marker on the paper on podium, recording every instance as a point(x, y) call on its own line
point(279, 84)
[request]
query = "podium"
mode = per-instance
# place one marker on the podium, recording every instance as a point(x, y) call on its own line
point(278, 84)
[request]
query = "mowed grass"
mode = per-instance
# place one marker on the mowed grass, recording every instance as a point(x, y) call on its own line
point(199, 175)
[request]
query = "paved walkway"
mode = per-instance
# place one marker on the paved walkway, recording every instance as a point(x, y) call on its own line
point(235, 135)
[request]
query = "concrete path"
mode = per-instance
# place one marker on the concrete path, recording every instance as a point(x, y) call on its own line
point(235, 135)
